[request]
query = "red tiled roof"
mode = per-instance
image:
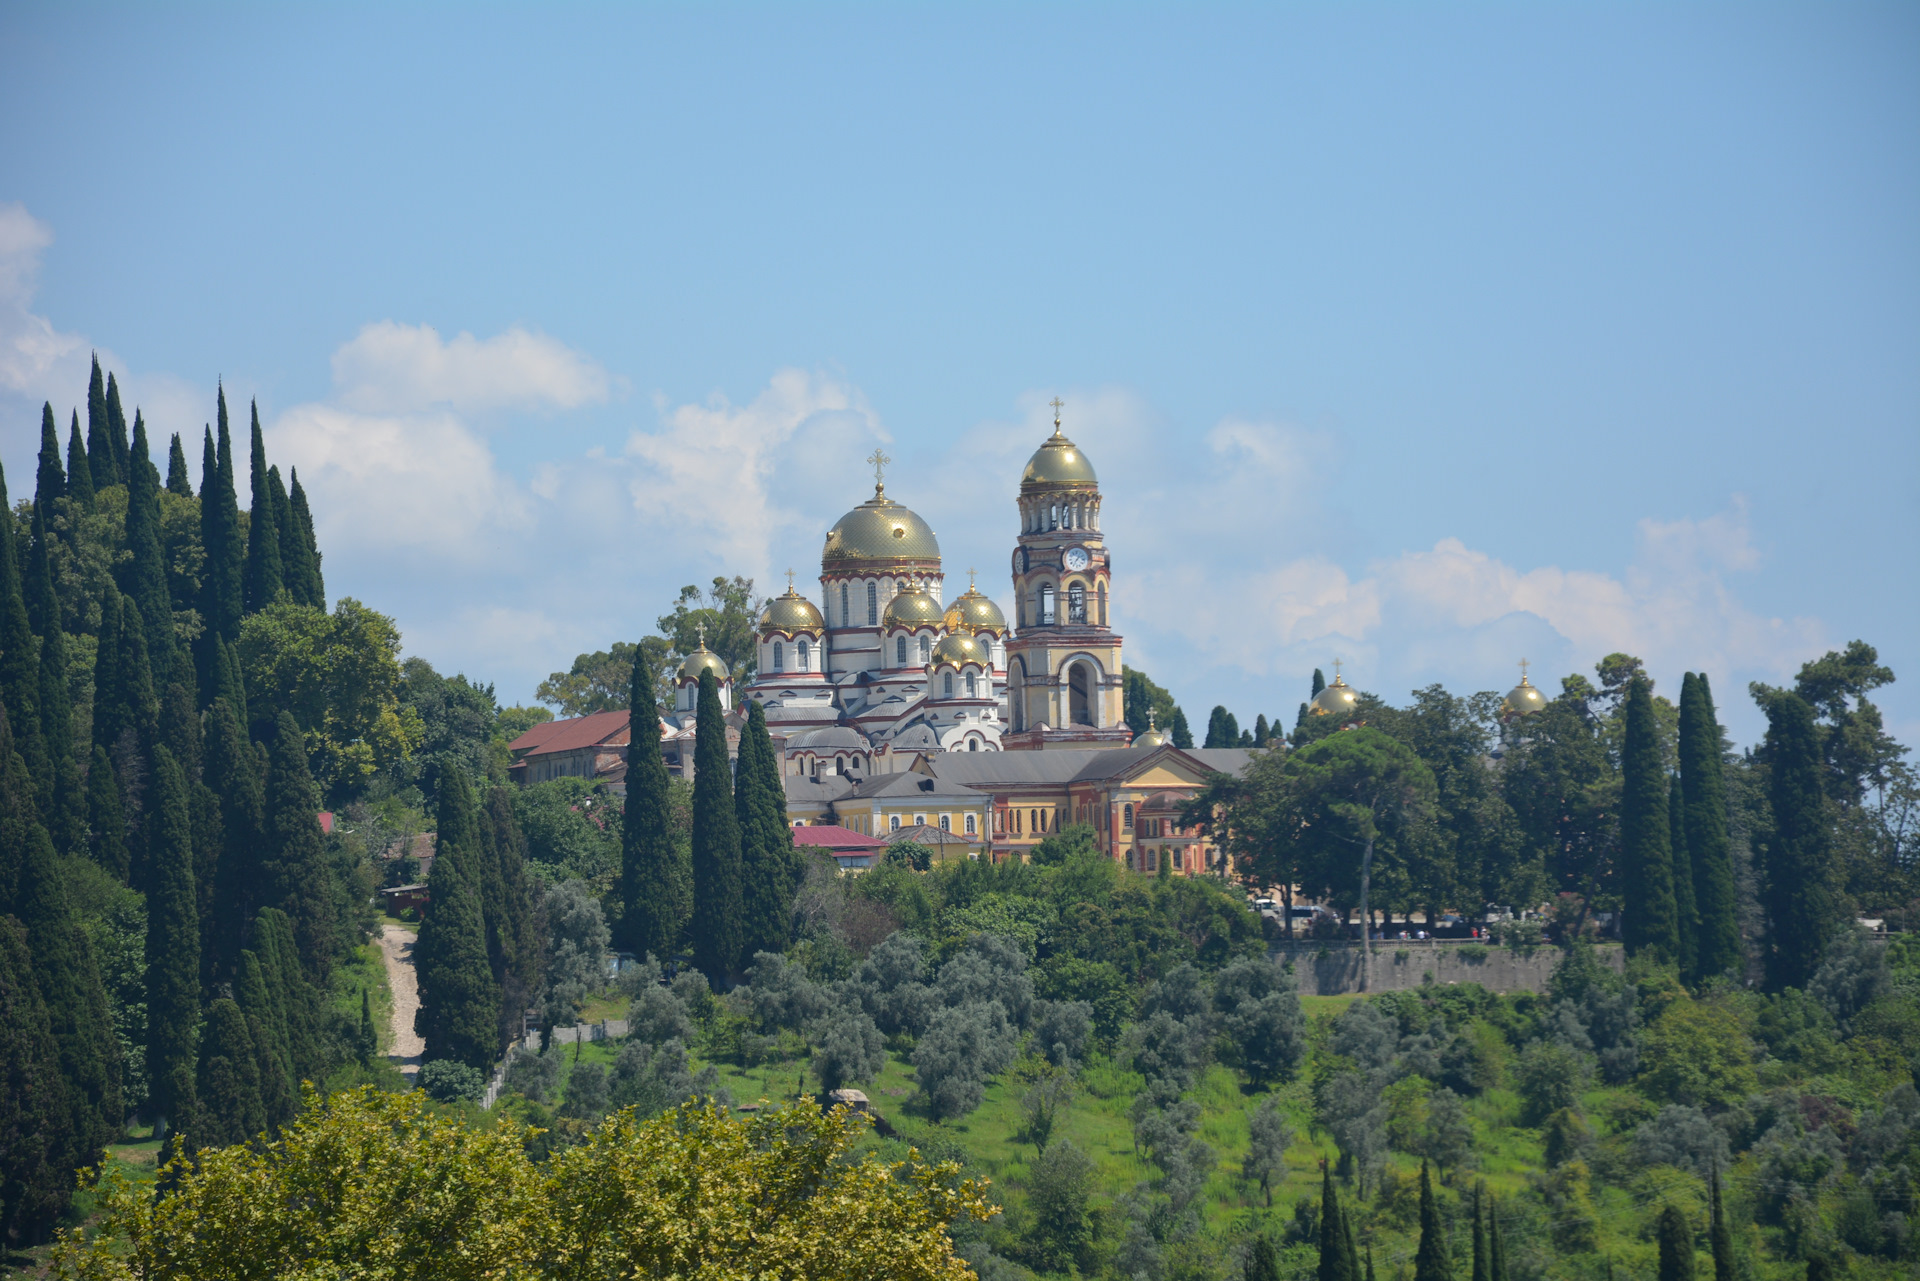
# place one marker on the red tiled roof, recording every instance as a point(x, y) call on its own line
point(838, 839)
point(567, 736)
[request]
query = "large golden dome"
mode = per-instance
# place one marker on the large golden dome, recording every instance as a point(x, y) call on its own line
point(878, 530)
point(1337, 699)
point(1058, 462)
point(790, 614)
point(913, 607)
point(1154, 737)
point(955, 649)
point(975, 612)
point(704, 658)
point(1523, 699)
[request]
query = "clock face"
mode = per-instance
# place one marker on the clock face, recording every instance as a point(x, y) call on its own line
point(1076, 558)
point(1020, 560)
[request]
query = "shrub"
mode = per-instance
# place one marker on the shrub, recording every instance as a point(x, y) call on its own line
point(964, 1045)
point(850, 1051)
point(534, 1075)
point(1059, 1194)
point(1697, 1053)
point(1062, 1030)
point(448, 1080)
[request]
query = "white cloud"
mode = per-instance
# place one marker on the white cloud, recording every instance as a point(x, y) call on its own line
point(394, 368)
point(37, 361)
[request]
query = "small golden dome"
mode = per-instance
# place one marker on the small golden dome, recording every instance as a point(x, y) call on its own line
point(705, 658)
point(914, 607)
point(1523, 699)
point(1154, 737)
point(791, 613)
point(956, 648)
point(878, 530)
point(1337, 699)
point(1058, 462)
point(974, 611)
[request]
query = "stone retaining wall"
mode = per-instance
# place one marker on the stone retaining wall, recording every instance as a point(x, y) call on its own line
point(1333, 969)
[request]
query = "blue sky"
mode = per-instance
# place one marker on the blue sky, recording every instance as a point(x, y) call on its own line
point(1427, 336)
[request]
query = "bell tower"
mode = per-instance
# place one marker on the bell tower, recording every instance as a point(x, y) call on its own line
point(1063, 663)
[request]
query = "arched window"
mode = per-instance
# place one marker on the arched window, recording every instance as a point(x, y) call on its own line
point(972, 687)
point(946, 822)
point(1126, 817)
point(779, 657)
point(805, 654)
point(1017, 693)
point(973, 745)
point(1079, 696)
point(1053, 516)
point(1077, 604)
point(873, 604)
point(1046, 604)
point(1102, 593)
point(926, 649)
point(970, 825)
point(946, 685)
point(846, 615)
point(900, 651)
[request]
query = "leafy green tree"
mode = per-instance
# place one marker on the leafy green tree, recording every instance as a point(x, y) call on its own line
point(602, 681)
point(769, 869)
point(1431, 1261)
point(1140, 696)
point(1798, 884)
point(1686, 914)
point(35, 1189)
point(1703, 785)
point(1269, 1137)
point(459, 1001)
point(260, 582)
point(727, 615)
point(716, 929)
point(1646, 857)
point(1676, 1245)
point(298, 875)
point(173, 935)
point(1565, 795)
point(1060, 1196)
point(178, 480)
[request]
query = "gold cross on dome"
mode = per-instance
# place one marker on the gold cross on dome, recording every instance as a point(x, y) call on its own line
point(789, 580)
point(1523, 671)
point(1056, 402)
point(879, 461)
point(700, 626)
point(971, 571)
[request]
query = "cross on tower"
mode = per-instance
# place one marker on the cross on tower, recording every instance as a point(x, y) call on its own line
point(879, 461)
point(701, 628)
point(1336, 669)
point(789, 581)
point(1056, 402)
point(1523, 671)
point(971, 571)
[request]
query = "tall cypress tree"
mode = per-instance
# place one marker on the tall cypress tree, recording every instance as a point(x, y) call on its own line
point(229, 1110)
point(520, 937)
point(1431, 1262)
point(34, 1189)
point(99, 454)
point(300, 882)
point(1799, 898)
point(1482, 1264)
point(1336, 1255)
point(1686, 915)
point(1262, 1264)
point(717, 931)
point(117, 431)
point(655, 882)
point(287, 539)
point(232, 771)
point(262, 580)
point(766, 842)
point(267, 1021)
point(1181, 734)
point(49, 483)
point(296, 1001)
point(80, 486)
point(1719, 1236)
point(221, 595)
point(313, 589)
point(1704, 785)
point(125, 712)
point(178, 481)
point(106, 817)
point(1645, 857)
point(20, 658)
point(1676, 1246)
point(173, 934)
point(62, 799)
point(459, 1004)
point(143, 575)
point(1496, 1244)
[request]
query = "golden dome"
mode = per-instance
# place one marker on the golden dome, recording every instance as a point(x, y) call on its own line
point(1337, 699)
point(791, 613)
point(705, 658)
point(1523, 699)
point(956, 648)
point(975, 612)
point(878, 529)
point(913, 607)
point(1057, 462)
point(1154, 737)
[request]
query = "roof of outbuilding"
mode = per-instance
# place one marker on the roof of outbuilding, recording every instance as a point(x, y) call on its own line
point(571, 735)
point(838, 839)
point(912, 786)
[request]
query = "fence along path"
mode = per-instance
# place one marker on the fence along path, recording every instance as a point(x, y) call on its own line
point(604, 1030)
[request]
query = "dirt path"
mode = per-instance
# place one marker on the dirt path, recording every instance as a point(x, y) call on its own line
point(396, 945)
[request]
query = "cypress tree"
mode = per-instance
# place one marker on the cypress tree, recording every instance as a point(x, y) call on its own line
point(1431, 1262)
point(1686, 915)
point(117, 431)
point(19, 658)
point(262, 580)
point(1799, 900)
point(180, 717)
point(1719, 1236)
point(367, 1042)
point(99, 453)
point(143, 575)
point(519, 935)
point(68, 979)
point(716, 928)
point(1261, 731)
point(173, 934)
point(289, 542)
point(459, 1004)
point(1481, 1262)
point(222, 597)
point(296, 1002)
point(80, 486)
point(34, 1189)
point(178, 481)
point(1718, 947)
point(1182, 735)
point(313, 589)
point(1319, 683)
point(1645, 857)
point(229, 1110)
point(1676, 1246)
point(229, 682)
point(299, 881)
point(106, 819)
point(1369, 1263)
point(1336, 1260)
point(63, 801)
point(125, 713)
point(1496, 1244)
point(49, 483)
point(1262, 1264)
point(232, 772)
point(654, 880)
point(766, 842)
point(267, 1022)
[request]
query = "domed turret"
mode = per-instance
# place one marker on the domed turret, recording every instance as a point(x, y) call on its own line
point(878, 531)
point(1058, 462)
point(1154, 737)
point(956, 648)
point(1523, 699)
point(704, 659)
point(912, 608)
point(790, 614)
point(1337, 699)
point(974, 611)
